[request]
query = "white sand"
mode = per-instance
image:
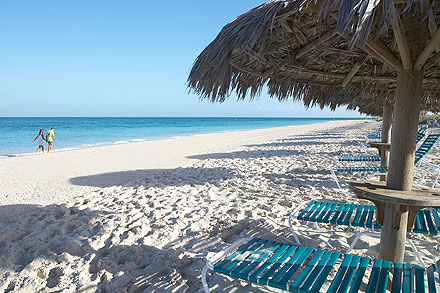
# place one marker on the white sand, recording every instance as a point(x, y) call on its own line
point(143, 217)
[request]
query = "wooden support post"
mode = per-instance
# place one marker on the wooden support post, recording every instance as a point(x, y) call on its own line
point(404, 135)
point(409, 91)
point(387, 121)
point(386, 134)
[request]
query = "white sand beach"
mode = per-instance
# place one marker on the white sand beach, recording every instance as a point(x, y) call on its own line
point(142, 217)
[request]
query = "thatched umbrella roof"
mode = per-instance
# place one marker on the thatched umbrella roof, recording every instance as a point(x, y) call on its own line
point(282, 45)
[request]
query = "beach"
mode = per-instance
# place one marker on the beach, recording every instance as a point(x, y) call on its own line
point(143, 217)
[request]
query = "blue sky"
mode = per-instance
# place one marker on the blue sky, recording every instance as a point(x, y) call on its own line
point(117, 58)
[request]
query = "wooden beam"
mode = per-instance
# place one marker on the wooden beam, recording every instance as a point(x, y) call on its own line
point(353, 71)
point(432, 44)
point(373, 54)
point(402, 44)
point(342, 76)
point(432, 61)
point(355, 78)
point(245, 69)
point(432, 27)
point(385, 53)
point(315, 43)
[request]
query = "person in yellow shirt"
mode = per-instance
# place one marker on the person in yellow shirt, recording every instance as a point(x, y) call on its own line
point(50, 138)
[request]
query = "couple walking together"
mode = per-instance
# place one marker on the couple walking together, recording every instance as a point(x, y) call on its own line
point(50, 138)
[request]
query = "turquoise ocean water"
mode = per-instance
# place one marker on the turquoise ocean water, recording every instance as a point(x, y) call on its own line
point(16, 134)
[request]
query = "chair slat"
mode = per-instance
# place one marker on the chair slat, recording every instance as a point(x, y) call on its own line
point(318, 210)
point(374, 275)
point(431, 279)
point(306, 209)
point(384, 276)
point(429, 221)
point(255, 258)
point(346, 217)
point(422, 220)
point(364, 216)
point(397, 278)
point(308, 269)
point(326, 270)
point(335, 217)
point(357, 217)
point(408, 277)
point(350, 273)
point(314, 274)
point(324, 212)
point(330, 213)
point(255, 242)
point(306, 214)
point(287, 271)
point(340, 275)
point(420, 279)
point(435, 214)
point(370, 218)
point(417, 228)
point(263, 279)
point(365, 261)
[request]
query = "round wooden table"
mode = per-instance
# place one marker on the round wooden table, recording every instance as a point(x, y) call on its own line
point(382, 147)
point(414, 200)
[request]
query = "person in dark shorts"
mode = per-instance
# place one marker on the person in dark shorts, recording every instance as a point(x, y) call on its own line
point(50, 138)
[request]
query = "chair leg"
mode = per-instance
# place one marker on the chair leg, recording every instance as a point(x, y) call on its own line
point(416, 252)
point(358, 236)
point(377, 234)
point(291, 229)
point(204, 282)
point(335, 178)
point(436, 179)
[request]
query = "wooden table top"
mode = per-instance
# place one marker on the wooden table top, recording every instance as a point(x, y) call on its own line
point(379, 144)
point(377, 191)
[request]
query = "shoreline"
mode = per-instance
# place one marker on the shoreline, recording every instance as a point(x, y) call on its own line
point(158, 137)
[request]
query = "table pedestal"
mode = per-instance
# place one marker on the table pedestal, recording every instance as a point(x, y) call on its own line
point(393, 232)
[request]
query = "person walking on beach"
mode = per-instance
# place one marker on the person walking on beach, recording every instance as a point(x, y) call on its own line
point(50, 138)
point(40, 141)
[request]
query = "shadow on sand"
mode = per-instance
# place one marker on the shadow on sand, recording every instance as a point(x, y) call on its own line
point(156, 177)
point(53, 247)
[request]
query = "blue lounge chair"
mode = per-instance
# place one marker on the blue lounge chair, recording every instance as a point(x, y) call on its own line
point(376, 134)
point(304, 269)
point(426, 167)
point(362, 216)
point(372, 158)
point(423, 149)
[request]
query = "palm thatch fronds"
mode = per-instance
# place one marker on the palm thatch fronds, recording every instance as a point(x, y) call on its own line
point(314, 52)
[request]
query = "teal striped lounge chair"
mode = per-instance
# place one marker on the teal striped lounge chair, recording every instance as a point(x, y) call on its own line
point(297, 268)
point(426, 167)
point(375, 134)
point(423, 149)
point(372, 158)
point(360, 216)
